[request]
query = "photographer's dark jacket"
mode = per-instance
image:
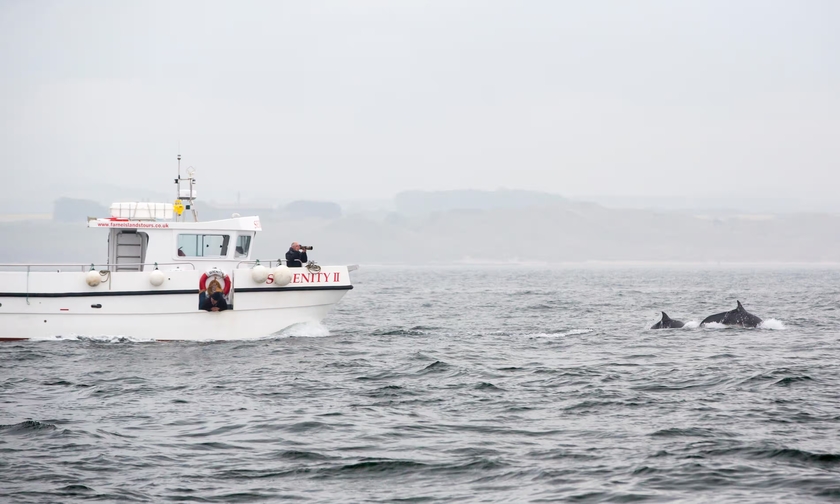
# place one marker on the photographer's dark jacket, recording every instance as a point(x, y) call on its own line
point(296, 259)
point(221, 303)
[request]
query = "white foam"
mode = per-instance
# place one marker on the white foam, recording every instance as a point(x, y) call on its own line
point(543, 335)
point(304, 330)
point(692, 324)
point(776, 325)
point(97, 339)
point(773, 324)
point(573, 332)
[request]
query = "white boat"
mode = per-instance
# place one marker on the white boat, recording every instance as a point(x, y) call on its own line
point(153, 285)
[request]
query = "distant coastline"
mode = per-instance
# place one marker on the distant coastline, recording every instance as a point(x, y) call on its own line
point(474, 228)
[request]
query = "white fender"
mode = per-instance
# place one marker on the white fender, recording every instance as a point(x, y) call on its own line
point(157, 278)
point(93, 278)
point(259, 273)
point(282, 275)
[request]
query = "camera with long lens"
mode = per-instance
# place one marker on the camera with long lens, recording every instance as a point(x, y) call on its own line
point(306, 247)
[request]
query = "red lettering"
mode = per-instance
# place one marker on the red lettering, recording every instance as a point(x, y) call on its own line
point(335, 276)
point(270, 279)
point(295, 278)
point(122, 223)
point(304, 278)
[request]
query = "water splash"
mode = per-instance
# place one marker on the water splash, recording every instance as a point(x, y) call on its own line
point(102, 338)
point(304, 330)
point(773, 324)
point(560, 334)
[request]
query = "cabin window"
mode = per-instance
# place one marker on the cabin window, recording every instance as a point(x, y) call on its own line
point(203, 245)
point(243, 245)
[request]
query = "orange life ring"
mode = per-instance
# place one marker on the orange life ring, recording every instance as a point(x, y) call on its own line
point(214, 274)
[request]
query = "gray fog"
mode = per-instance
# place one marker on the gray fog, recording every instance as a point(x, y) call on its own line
point(274, 101)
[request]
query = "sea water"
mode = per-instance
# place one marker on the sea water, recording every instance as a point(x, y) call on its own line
point(454, 384)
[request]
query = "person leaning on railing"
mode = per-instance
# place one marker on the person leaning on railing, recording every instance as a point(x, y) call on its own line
point(296, 256)
point(216, 302)
point(212, 299)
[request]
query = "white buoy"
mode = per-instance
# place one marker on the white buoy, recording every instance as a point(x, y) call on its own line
point(157, 278)
point(259, 274)
point(93, 278)
point(282, 275)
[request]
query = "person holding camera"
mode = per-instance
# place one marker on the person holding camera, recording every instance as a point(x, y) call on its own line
point(296, 256)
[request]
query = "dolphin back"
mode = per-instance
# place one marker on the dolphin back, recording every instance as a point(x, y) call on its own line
point(738, 317)
point(718, 318)
point(745, 318)
point(667, 323)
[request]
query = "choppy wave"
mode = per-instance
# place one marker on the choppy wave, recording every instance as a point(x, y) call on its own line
point(465, 385)
point(560, 333)
point(27, 426)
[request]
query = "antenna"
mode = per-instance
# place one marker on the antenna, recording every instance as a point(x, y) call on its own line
point(191, 178)
point(178, 181)
point(189, 197)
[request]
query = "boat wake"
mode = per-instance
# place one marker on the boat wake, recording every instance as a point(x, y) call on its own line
point(98, 339)
point(303, 330)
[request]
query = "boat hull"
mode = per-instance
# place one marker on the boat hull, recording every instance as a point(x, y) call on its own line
point(196, 326)
point(259, 309)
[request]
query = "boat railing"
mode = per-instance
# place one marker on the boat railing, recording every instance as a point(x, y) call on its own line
point(125, 267)
point(279, 262)
point(251, 264)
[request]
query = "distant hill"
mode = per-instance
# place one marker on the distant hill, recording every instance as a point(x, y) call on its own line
point(77, 210)
point(561, 231)
point(214, 211)
point(422, 202)
point(318, 209)
point(570, 233)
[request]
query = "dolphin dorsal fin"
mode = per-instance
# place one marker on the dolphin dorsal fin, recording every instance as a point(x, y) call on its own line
point(665, 316)
point(740, 306)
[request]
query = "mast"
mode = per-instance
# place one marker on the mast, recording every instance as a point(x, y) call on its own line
point(185, 196)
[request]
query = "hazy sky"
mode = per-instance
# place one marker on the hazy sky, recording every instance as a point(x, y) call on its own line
point(360, 99)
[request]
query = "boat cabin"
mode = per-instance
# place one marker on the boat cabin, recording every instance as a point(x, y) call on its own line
point(144, 234)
